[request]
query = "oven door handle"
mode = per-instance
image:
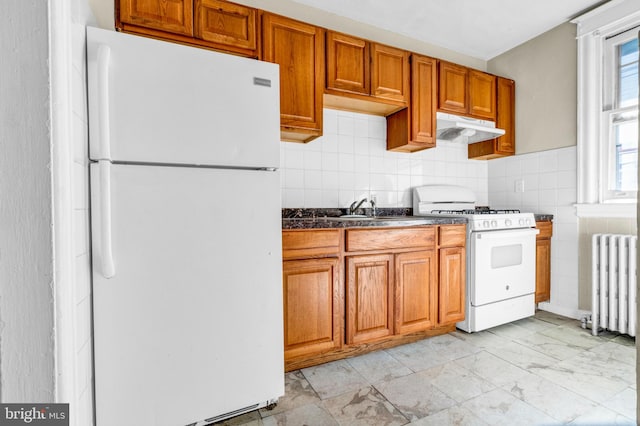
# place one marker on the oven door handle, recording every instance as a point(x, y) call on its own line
point(506, 233)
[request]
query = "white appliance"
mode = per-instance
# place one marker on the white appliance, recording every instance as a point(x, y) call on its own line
point(452, 127)
point(186, 232)
point(501, 255)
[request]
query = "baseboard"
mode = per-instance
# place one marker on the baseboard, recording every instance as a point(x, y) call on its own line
point(563, 310)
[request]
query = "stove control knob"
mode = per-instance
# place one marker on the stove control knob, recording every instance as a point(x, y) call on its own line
point(507, 222)
point(528, 222)
point(494, 223)
point(521, 222)
point(485, 224)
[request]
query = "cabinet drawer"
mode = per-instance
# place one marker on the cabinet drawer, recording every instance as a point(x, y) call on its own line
point(452, 235)
point(384, 239)
point(316, 243)
point(546, 229)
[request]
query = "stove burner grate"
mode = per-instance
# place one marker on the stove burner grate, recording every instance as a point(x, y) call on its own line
point(477, 210)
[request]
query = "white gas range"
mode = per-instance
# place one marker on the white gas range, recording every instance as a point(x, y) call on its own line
point(501, 253)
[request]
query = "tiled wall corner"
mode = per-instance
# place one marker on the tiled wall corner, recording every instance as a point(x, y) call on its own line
point(350, 162)
point(549, 180)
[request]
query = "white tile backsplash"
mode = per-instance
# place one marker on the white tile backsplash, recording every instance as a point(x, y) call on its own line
point(353, 163)
point(549, 187)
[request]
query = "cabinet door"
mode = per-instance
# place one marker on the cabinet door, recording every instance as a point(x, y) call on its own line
point(506, 117)
point(312, 306)
point(452, 87)
point(347, 62)
point(543, 270)
point(174, 16)
point(452, 285)
point(482, 95)
point(389, 73)
point(369, 297)
point(424, 79)
point(299, 50)
point(228, 24)
point(416, 291)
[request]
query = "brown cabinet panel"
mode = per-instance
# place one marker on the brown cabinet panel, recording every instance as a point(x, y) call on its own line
point(452, 285)
point(482, 95)
point(228, 24)
point(310, 243)
point(452, 235)
point(174, 16)
point(416, 291)
point(387, 239)
point(413, 129)
point(543, 261)
point(506, 116)
point(312, 308)
point(389, 73)
point(369, 298)
point(347, 62)
point(452, 87)
point(299, 50)
point(505, 119)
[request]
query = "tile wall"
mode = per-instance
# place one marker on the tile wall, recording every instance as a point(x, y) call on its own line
point(350, 162)
point(549, 186)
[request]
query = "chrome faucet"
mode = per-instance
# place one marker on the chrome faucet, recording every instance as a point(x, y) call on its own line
point(356, 205)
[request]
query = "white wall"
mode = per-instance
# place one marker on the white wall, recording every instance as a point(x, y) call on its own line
point(545, 71)
point(27, 369)
point(350, 162)
point(549, 187)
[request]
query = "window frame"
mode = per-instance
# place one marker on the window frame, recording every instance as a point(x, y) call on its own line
point(593, 29)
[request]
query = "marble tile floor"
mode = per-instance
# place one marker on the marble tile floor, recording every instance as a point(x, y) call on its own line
point(543, 370)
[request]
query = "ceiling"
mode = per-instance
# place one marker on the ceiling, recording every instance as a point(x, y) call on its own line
point(479, 28)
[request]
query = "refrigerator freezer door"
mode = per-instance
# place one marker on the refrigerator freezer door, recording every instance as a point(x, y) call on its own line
point(189, 326)
point(156, 102)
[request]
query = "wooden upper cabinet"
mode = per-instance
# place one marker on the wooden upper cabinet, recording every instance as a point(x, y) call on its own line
point(505, 119)
point(299, 50)
point(452, 88)
point(347, 62)
point(506, 116)
point(482, 95)
point(414, 128)
point(364, 76)
point(173, 16)
point(230, 25)
point(389, 73)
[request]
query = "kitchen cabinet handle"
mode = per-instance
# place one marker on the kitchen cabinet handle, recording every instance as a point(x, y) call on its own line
point(107, 264)
point(104, 56)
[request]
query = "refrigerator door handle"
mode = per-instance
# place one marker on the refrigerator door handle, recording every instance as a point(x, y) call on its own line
point(107, 264)
point(104, 143)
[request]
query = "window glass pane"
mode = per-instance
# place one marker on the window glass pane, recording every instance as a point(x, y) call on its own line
point(628, 73)
point(625, 131)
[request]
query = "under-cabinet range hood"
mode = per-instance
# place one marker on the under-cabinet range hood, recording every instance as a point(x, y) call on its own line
point(450, 127)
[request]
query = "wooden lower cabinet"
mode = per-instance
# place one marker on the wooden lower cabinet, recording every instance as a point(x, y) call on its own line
point(369, 303)
point(452, 285)
point(348, 292)
point(312, 306)
point(416, 291)
point(543, 261)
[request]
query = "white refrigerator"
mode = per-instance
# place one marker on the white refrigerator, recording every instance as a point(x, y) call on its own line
point(186, 232)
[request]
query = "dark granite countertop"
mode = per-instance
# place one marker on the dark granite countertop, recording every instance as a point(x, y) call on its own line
point(541, 217)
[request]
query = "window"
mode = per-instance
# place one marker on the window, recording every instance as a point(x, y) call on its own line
point(620, 117)
point(608, 110)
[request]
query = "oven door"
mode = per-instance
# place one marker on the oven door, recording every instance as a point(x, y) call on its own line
point(502, 265)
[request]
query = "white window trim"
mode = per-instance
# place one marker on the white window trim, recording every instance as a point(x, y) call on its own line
point(593, 27)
